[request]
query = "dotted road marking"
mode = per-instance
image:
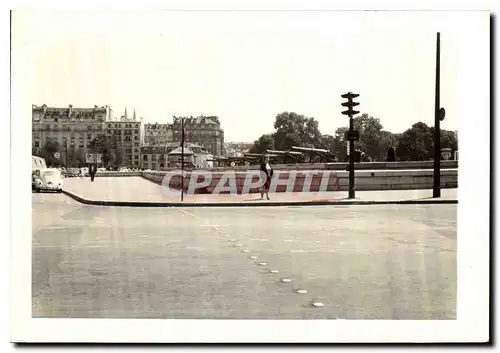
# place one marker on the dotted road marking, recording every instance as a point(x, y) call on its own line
point(253, 257)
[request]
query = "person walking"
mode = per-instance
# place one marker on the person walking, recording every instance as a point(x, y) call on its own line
point(92, 171)
point(267, 171)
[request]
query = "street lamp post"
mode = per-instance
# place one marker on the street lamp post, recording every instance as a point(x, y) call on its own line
point(351, 136)
point(439, 114)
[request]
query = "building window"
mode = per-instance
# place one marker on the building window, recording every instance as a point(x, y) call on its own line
point(153, 157)
point(145, 157)
point(153, 166)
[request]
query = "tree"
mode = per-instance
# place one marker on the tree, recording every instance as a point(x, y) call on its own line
point(111, 156)
point(264, 143)
point(449, 140)
point(48, 151)
point(373, 140)
point(416, 143)
point(391, 155)
point(293, 129)
point(76, 157)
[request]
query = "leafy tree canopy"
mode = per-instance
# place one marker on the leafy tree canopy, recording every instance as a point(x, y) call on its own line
point(416, 143)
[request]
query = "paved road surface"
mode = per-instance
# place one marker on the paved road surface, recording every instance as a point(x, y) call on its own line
point(361, 262)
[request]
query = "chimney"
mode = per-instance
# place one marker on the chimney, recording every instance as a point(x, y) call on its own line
point(70, 111)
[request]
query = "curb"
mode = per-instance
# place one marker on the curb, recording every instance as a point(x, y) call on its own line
point(266, 204)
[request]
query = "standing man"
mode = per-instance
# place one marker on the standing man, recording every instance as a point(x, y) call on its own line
point(92, 171)
point(267, 172)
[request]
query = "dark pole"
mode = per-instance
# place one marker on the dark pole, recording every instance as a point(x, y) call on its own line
point(351, 161)
point(437, 127)
point(182, 158)
point(66, 152)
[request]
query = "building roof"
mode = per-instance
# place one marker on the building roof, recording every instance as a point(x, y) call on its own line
point(156, 126)
point(178, 150)
point(207, 120)
point(66, 109)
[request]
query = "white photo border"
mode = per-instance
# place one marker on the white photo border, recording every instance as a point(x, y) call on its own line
point(473, 81)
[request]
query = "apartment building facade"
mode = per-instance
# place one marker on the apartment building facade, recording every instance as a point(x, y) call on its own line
point(157, 134)
point(73, 128)
point(128, 134)
point(205, 131)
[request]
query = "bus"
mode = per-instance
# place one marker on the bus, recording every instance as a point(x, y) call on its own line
point(38, 163)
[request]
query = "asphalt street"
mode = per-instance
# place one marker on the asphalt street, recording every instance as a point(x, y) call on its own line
point(359, 262)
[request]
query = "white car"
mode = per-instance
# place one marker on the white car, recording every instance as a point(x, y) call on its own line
point(48, 179)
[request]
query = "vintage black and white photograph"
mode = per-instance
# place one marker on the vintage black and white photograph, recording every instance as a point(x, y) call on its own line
point(250, 165)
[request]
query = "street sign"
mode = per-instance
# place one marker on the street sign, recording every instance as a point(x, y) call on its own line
point(57, 155)
point(442, 114)
point(93, 158)
point(352, 135)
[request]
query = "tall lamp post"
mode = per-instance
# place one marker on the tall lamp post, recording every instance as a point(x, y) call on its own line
point(351, 136)
point(439, 114)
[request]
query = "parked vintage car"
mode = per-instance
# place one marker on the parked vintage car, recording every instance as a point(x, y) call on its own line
point(47, 179)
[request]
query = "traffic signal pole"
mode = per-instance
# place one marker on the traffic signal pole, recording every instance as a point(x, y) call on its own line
point(352, 135)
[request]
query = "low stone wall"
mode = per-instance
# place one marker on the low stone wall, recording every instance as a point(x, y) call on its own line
point(398, 179)
point(343, 166)
point(426, 165)
point(328, 180)
point(114, 174)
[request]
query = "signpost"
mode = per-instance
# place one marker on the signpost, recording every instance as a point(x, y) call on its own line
point(93, 158)
point(57, 155)
point(351, 136)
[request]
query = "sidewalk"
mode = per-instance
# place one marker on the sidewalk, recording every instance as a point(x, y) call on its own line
point(136, 191)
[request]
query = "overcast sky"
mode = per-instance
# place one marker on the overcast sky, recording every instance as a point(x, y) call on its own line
point(244, 67)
